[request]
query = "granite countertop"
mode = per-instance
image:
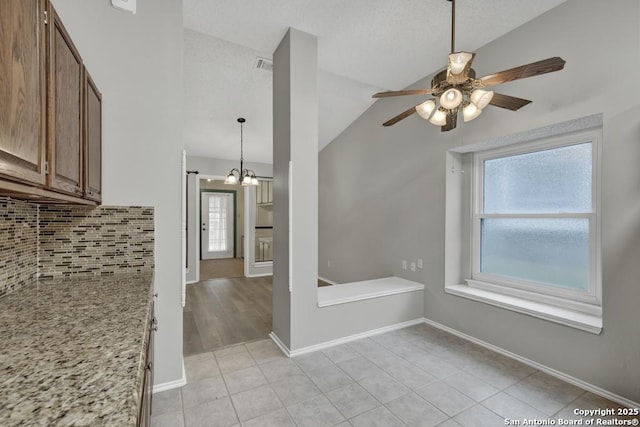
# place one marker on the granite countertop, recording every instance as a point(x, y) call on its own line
point(72, 351)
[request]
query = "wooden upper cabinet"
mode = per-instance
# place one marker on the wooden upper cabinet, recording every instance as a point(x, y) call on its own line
point(92, 140)
point(66, 81)
point(22, 90)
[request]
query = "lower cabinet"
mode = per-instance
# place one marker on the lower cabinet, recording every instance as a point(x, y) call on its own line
point(146, 392)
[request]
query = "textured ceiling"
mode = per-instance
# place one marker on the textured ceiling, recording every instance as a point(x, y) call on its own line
point(363, 46)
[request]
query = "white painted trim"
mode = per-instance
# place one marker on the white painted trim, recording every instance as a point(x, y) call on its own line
point(343, 340)
point(366, 289)
point(280, 344)
point(172, 384)
point(562, 128)
point(290, 195)
point(563, 316)
point(191, 282)
point(331, 282)
point(184, 191)
point(555, 373)
point(259, 275)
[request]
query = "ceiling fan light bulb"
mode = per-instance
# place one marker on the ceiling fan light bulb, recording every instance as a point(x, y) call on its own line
point(458, 61)
point(451, 99)
point(425, 109)
point(439, 118)
point(470, 112)
point(481, 98)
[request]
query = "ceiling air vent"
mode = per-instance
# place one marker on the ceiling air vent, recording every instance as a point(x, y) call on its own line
point(264, 64)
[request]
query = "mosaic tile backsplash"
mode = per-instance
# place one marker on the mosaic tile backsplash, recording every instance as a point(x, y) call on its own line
point(18, 244)
point(38, 241)
point(106, 240)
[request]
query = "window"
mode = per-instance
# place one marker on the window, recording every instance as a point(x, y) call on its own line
point(218, 229)
point(534, 229)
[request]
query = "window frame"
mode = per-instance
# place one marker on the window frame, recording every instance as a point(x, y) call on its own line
point(459, 210)
point(589, 302)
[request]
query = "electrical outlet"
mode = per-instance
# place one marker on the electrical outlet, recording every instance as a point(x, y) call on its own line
point(413, 266)
point(420, 263)
point(404, 264)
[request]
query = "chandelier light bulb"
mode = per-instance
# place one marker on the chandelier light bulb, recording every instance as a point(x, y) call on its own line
point(246, 180)
point(481, 98)
point(451, 99)
point(439, 118)
point(470, 112)
point(231, 179)
point(425, 109)
point(254, 181)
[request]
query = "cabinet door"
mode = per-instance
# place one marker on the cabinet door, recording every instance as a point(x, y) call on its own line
point(65, 110)
point(22, 90)
point(92, 140)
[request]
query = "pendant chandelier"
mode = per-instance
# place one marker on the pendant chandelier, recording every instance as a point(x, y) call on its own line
point(246, 177)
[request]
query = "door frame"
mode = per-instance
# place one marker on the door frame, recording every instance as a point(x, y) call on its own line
point(235, 215)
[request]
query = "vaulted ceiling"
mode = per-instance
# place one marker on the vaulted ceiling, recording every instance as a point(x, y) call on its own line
point(364, 46)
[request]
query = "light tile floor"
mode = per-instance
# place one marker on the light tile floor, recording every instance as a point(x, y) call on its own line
point(416, 376)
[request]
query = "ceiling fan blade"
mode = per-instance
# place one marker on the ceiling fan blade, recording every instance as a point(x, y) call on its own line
point(399, 117)
point(402, 93)
point(452, 121)
point(548, 65)
point(509, 102)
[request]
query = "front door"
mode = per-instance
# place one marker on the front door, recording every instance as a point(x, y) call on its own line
point(217, 230)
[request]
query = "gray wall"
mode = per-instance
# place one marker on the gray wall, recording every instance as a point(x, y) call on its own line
point(212, 167)
point(136, 62)
point(297, 319)
point(281, 324)
point(382, 189)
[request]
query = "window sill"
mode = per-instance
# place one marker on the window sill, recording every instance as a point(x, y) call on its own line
point(586, 322)
point(367, 289)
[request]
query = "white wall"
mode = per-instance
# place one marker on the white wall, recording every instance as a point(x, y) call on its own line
point(209, 167)
point(136, 62)
point(368, 225)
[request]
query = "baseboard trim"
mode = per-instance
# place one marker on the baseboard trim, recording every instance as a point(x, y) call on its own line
point(259, 275)
point(191, 282)
point(157, 388)
point(343, 340)
point(554, 373)
point(280, 344)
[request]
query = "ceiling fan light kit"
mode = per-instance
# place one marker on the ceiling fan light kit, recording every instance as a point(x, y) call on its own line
point(426, 108)
point(439, 117)
point(458, 87)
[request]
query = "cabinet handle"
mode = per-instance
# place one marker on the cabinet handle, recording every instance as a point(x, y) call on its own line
point(155, 295)
point(150, 366)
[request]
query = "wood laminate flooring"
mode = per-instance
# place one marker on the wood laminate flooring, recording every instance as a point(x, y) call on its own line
point(227, 311)
point(221, 268)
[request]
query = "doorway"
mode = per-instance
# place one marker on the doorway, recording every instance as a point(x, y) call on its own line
point(218, 224)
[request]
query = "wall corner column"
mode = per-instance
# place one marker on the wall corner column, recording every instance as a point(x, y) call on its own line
point(295, 142)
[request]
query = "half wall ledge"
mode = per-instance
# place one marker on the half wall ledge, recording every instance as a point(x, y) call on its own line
point(366, 289)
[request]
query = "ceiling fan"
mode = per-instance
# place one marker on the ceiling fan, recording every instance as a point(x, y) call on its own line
point(457, 88)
